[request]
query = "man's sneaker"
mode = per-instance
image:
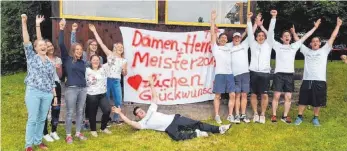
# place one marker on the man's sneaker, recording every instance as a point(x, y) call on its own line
point(94, 133)
point(224, 128)
point(201, 133)
point(315, 122)
point(298, 121)
point(106, 131)
point(55, 136)
point(244, 118)
point(262, 119)
point(256, 118)
point(48, 138)
point(286, 120)
point(29, 149)
point(117, 122)
point(237, 119)
point(43, 146)
point(218, 120)
point(231, 118)
point(273, 119)
point(108, 125)
point(81, 137)
point(69, 139)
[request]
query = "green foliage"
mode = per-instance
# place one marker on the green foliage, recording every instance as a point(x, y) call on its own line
point(303, 13)
point(12, 53)
point(280, 136)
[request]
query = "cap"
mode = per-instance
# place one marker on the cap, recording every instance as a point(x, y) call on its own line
point(237, 34)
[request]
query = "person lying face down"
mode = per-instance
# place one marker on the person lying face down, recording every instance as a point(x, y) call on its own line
point(176, 126)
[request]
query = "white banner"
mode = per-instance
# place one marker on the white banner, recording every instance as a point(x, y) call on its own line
point(181, 64)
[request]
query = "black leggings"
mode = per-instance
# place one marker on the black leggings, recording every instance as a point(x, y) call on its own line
point(55, 111)
point(92, 104)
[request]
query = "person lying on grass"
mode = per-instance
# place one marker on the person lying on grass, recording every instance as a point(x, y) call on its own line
point(176, 126)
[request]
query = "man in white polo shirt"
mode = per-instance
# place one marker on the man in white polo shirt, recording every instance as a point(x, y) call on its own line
point(284, 72)
point(260, 68)
point(176, 126)
point(224, 78)
point(313, 90)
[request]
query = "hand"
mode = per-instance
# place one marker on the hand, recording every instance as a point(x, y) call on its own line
point(150, 80)
point(39, 19)
point(92, 28)
point(24, 18)
point(258, 20)
point(339, 22)
point(317, 23)
point(74, 26)
point(62, 24)
point(273, 13)
point(55, 101)
point(213, 15)
point(58, 66)
point(292, 30)
point(249, 15)
point(116, 110)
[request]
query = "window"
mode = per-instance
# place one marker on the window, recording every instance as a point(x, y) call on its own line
point(142, 11)
point(197, 13)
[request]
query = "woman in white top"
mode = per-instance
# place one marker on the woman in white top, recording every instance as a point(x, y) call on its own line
point(117, 67)
point(96, 95)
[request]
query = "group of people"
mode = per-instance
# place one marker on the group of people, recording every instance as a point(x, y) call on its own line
point(90, 82)
point(235, 76)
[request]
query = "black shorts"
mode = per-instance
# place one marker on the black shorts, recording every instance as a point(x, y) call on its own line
point(283, 82)
point(313, 93)
point(260, 82)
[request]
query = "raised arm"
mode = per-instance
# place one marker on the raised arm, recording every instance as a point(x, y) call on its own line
point(154, 92)
point(308, 34)
point(245, 33)
point(295, 36)
point(271, 32)
point(63, 50)
point(73, 33)
point(26, 39)
point(126, 119)
point(212, 28)
point(260, 22)
point(98, 39)
point(335, 32)
point(39, 20)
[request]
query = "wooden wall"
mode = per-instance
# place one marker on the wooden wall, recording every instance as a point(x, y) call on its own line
point(109, 30)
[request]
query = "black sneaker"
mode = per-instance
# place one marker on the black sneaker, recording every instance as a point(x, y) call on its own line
point(117, 122)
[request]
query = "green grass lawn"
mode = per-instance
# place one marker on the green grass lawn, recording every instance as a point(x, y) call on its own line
point(332, 135)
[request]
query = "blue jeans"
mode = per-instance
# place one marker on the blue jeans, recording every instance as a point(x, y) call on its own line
point(37, 103)
point(114, 88)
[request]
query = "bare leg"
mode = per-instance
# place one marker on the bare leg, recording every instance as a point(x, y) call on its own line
point(287, 103)
point(254, 103)
point(237, 103)
point(264, 103)
point(316, 111)
point(243, 103)
point(276, 97)
point(216, 103)
point(301, 109)
point(231, 102)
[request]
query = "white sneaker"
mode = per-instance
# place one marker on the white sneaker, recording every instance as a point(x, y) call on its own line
point(244, 118)
point(237, 119)
point(48, 138)
point(262, 119)
point(55, 136)
point(201, 133)
point(231, 118)
point(218, 120)
point(94, 133)
point(256, 118)
point(224, 128)
point(106, 131)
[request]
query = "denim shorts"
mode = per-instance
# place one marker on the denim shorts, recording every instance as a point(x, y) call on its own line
point(224, 83)
point(242, 83)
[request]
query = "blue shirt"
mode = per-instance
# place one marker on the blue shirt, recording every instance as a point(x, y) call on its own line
point(40, 75)
point(75, 69)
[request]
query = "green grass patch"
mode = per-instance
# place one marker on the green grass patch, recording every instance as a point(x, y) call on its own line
point(332, 135)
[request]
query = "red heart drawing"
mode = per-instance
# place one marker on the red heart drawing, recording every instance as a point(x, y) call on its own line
point(135, 81)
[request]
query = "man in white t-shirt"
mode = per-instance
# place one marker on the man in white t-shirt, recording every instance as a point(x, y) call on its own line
point(313, 90)
point(283, 80)
point(176, 126)
point(224, 78)
point(260, 68)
